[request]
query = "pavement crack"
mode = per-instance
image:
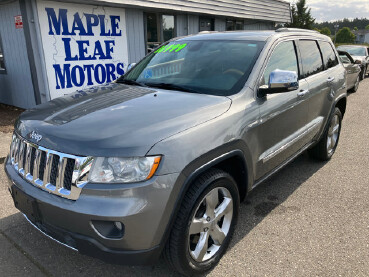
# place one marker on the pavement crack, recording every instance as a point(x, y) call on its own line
point(28, 256)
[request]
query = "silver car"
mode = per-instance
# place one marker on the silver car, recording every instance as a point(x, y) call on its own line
point(158, 161)
point(353, 71)
point(360, 54)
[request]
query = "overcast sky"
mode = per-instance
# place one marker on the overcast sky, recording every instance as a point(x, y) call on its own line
point(327, 10)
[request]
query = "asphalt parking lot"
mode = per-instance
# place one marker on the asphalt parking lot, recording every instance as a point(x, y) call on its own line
point(310, 219)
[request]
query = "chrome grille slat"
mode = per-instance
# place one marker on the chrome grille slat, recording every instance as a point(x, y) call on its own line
point(49, 173)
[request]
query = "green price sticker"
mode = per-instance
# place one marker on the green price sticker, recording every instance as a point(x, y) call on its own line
point(171, 48)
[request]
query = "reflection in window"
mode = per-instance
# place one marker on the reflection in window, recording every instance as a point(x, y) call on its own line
point(152, 34)
point(329, 57)
point(206, 24)
point(2, 62)
point(283, 58)
point(168, 27)
point(311, 59)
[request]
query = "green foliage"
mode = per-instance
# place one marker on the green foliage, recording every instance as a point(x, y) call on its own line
point(367, 27)
point(359, 23)
point(345, 35)
point(355, 29)
point(325, 31)
point(301, 16)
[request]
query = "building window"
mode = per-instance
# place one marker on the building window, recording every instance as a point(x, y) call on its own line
point(2, 62)
point(206, 24)
point(233, 25)
point(159, 28)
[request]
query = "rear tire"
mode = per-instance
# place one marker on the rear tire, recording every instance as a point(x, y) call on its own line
point(204, 225)
point(327, 145)
point(363, 74)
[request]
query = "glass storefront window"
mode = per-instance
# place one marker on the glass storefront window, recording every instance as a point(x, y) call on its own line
point(168, 27)
point(2, 62)
point(233, 25)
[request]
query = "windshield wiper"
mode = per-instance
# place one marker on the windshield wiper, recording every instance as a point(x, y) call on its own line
point(171, 87)
point(130, 82)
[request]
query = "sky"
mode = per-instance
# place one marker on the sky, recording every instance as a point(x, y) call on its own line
point(327, 10)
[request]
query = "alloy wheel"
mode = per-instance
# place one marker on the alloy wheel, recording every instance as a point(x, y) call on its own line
point(333, 133)
point(210, 224)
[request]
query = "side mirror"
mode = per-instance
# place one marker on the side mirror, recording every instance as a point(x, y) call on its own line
point(130, 66)
point(280, 81)
point(357, 62)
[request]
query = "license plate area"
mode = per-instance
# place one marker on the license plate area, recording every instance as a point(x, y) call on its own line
point(26, 204)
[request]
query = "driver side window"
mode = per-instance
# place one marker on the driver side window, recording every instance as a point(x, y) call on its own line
point(282, 58)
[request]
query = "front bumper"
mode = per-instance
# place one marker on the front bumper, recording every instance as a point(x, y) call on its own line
point(143, 208)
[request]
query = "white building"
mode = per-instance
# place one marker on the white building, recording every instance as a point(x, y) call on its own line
point(51, 48)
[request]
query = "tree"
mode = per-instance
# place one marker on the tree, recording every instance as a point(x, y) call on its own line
point(325, 31)
point(345, 35)
point(367, 27)
point(301, 16)
point(355, 29)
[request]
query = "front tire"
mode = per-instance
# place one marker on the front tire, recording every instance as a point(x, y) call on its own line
point(204, 224)
point(363, 73)
point(327, 145)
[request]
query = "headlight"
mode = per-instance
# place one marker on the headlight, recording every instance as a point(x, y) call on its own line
point(123, 170)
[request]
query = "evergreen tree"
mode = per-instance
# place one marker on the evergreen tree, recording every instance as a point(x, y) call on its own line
point(301, 16)
point(345, 35)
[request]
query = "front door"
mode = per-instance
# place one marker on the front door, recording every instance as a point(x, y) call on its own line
point(283, 116)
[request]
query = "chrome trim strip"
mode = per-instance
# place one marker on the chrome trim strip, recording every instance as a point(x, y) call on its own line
point(50, 237)
point(271, 153)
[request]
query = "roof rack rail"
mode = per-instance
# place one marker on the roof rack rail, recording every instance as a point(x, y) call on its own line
point(281, 30)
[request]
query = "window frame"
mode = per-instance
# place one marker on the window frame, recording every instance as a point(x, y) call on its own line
point(3, 71)
point(320, 42)
point(265, 65)
point(303, 76)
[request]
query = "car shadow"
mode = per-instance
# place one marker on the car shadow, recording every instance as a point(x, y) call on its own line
point(54, 259)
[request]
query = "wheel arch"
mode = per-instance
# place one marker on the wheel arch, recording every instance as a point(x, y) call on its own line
point(341, 104)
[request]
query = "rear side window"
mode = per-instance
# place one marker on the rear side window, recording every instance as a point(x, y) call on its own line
point(310, 57)
point(329, 56)
point(282, 58)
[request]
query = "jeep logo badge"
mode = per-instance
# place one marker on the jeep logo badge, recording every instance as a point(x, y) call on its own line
point(35, 136)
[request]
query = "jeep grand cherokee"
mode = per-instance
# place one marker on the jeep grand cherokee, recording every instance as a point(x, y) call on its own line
point(158, 161)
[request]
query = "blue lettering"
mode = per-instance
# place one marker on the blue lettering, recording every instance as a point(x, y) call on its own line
point(109, 49)
point(68, 54)
point(78, 25)
point(120, 68)
point(57, 23)
point(115, 25)
point(63, 79)
point(80, 79)
point(102, 26)
point(92, 20)
point(98, 51)
point(99, 79)
point(82, 50)
point(88, 68)
point(110, 69)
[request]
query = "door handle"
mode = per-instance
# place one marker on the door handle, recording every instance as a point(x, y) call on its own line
point(330, 79)
point(302, 93)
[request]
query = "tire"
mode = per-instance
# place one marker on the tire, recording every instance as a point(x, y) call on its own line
point(356, 86)
point(327, 145)
point(183, 250)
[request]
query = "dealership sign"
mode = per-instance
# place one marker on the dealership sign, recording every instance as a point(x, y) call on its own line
point(83, 45)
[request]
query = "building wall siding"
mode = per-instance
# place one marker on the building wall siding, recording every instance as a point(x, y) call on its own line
point(193, 24)
point(181, 25)
point(272, 10)
point(16, 86)
point(135, 34)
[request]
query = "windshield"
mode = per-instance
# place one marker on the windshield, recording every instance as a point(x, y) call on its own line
point(216, 67)
point(353, 51)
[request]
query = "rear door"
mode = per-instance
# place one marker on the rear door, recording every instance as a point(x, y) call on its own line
point(283, 116)
point(322, 80)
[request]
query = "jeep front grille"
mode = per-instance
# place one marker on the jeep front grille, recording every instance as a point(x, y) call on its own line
point(56, 172)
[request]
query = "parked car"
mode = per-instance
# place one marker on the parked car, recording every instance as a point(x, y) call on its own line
point(360, 54)
point(353, 71)
point(158, 162)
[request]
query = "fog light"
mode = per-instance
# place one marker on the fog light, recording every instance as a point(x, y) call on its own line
point(108, 229)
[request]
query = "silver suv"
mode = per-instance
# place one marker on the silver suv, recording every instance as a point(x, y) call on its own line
point(158, 161)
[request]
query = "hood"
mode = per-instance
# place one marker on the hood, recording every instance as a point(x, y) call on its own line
point(116, 119)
